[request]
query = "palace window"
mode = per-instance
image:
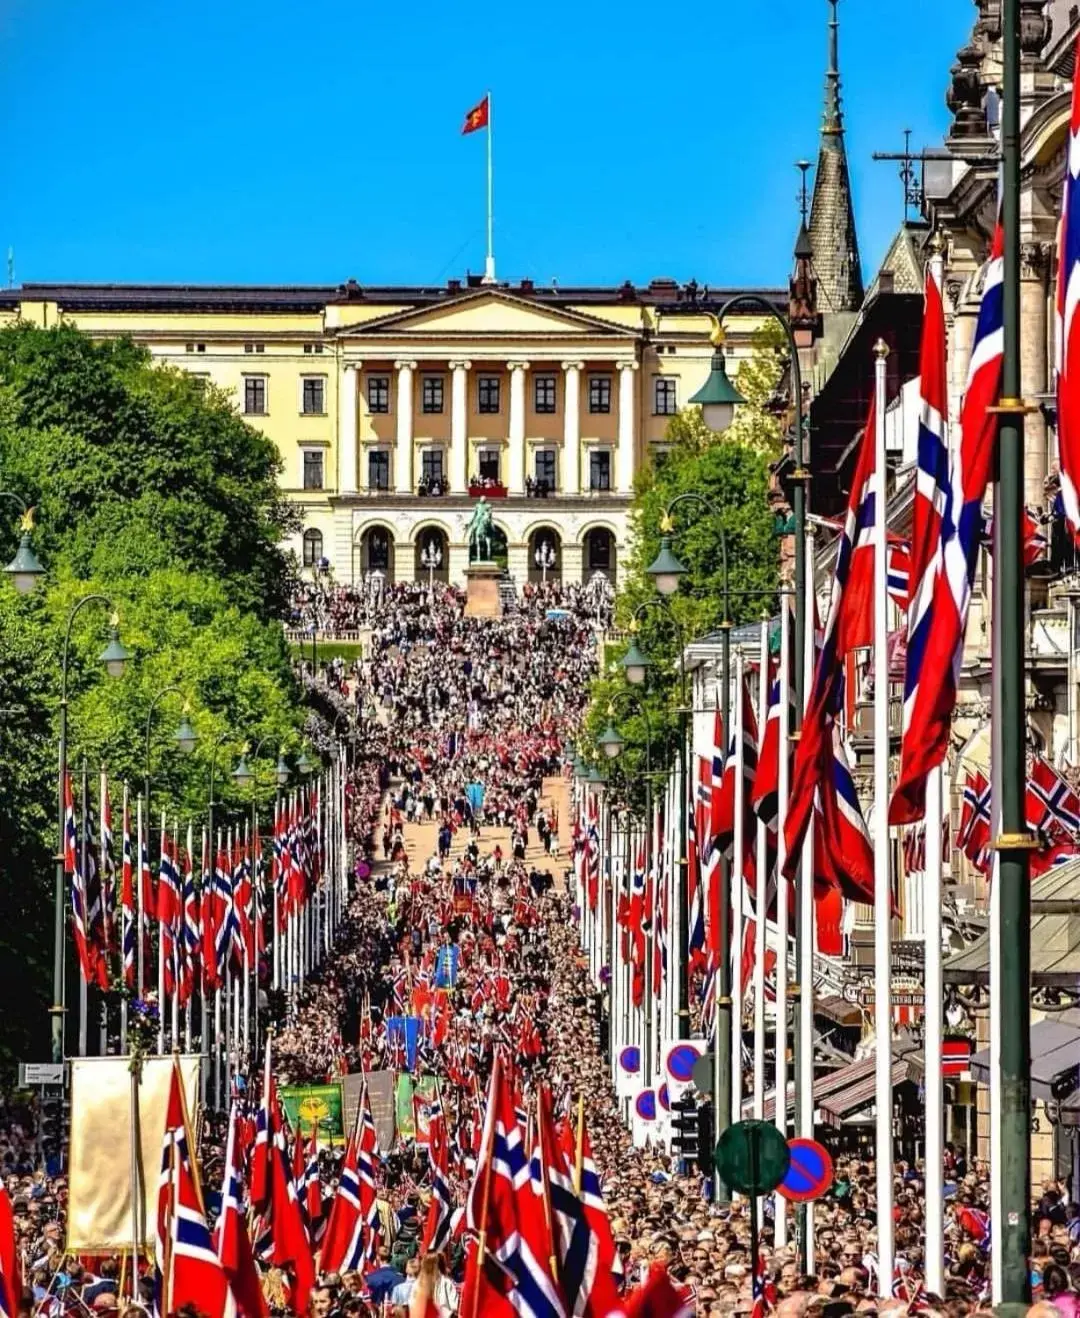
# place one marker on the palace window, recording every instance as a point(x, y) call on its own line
point(432, 394)
point(313, 469)
point(378, 393)
point(544, 394)
point(544, 469)
point(378, 469)
point(254, 395)
point(489, 464)
point(665, 395)
point(599, 394)
point(431, 464)
point(312, 548)
point(313, 395)
point(487, 397)
point(600, 469)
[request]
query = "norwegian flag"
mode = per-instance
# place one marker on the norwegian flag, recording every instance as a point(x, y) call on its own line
point(73, 867)
point(1053, 806)
point(845, 626)
point(898, 572)
point(973, 835)
point(169, 909)
point(441, 1208)
point(343, 1243)
point(508, 1274)
point(108, 872)
point(659, 1297)
point(10, 1270)
point(592, 853)
point(591, 1196)
point(366, 1154)
point(696, 897)
point(765, 793)
point(128, 913)
point(764, 1291)
point(724, 802)
point(230, 1233)
point(191, 928)
point(843, 852)
point(946, 543)
point(209, 913)
point(224, 913)
point(636, 923)
point(588, 1289)
point(274, 1195)
point(189, 1271)
point(311, 1186)
point(1068, 344)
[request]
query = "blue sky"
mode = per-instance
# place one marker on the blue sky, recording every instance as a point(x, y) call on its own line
point(269, 141)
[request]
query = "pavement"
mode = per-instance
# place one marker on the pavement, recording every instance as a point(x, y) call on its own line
point(422, 840)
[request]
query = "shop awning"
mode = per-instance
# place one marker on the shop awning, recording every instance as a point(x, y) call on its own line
point(837, 1083)
point(1055, 1051)
point(859, 1092)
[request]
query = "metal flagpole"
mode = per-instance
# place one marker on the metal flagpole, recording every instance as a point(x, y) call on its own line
point(883, 1152)
point(204, 1012)
point(997, 1209)
point(191, 954)
point(140, 915)
point(161, 951)
point(489, 264)
point(178, 934)
point(103, 858)
point(932, 1040)
point(274, 865)
point(230, 915)
point(803, 990)
point(780, 1030)
point(125, 841)
point(88, 932)
point(762, 911)
point(738, 912)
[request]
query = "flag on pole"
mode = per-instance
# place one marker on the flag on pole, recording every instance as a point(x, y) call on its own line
point(478, 117)
point(128, 913)
point(1068, 323)
point(230, 1234)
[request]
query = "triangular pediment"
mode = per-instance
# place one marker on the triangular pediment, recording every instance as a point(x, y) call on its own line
point(486, 312)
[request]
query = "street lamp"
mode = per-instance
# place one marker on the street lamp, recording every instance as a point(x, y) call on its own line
point(303, 765)
point(184, 737)
point(635, 663)
point(431, 558)
point(611, 741)
point(25, 568)
point(114, 657)
point(665, 569)
point(718, 397)
point(242, 775)
point(545, 559)
point(282, 771)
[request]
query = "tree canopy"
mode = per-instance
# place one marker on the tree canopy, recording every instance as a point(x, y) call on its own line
point(152, 492)
point(725, 482)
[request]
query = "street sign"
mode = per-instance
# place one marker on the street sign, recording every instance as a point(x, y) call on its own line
point(40, 1073)
point(810, 1173)
point(702, 1074)
point(752, 1157)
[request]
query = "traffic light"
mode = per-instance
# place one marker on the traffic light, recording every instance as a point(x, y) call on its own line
point(706, 1144)
point(684, 1124)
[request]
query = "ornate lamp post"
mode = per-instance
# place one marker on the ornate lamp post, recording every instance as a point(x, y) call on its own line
point(431, 558)
point(25, 569)
point(544, 557)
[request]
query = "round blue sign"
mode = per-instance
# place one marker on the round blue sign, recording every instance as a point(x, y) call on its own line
point(630, 1060)
point(680, 1062)
point(810, 1173)
point(645, 1105)
point(664, 1098)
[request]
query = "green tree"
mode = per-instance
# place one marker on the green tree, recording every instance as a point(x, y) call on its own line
point(733, 477)
point(134, 468)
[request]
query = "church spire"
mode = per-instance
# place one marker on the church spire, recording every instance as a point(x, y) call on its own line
point(832, 215)
point(833, 121)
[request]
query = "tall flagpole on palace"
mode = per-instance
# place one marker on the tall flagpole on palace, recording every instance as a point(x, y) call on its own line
point(489, 264)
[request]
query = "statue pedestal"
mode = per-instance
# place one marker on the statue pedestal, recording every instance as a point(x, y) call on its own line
point(482, 593)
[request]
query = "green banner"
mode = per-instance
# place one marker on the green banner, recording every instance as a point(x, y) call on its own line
point(425, 1090)
point(320, 1105)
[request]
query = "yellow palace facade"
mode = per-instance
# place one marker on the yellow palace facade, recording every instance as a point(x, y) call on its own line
point(394, 409)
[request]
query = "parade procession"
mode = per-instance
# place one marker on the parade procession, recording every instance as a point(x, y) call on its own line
point(543, 797)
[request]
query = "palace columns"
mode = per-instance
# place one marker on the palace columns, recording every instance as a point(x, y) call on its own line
point(459, 422)
point(516, 484)
point(570, 476)
point(625, 462)
point(403, 457)
point(347, 463)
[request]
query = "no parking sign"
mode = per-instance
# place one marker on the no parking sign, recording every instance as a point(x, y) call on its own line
point(810, 1173)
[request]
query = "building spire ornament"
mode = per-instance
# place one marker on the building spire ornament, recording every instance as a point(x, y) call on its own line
point(832, 215)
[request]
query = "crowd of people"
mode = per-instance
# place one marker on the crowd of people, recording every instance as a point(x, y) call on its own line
point(462, 913)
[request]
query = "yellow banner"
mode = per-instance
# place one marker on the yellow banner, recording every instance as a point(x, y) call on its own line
point(106, 1162)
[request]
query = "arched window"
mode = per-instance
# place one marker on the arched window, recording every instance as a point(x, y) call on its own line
point(312, 548)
